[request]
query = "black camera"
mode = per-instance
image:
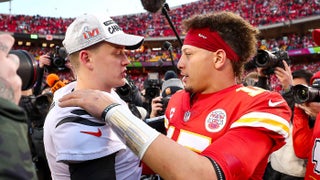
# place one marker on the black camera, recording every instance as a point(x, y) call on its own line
point(27, 69)
point(152, 86)
point(164, 102)
point(58, 59)
point(268, 60)
point(126, 92)
point(302, 94)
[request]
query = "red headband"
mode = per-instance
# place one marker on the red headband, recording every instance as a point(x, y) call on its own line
point(209, 40)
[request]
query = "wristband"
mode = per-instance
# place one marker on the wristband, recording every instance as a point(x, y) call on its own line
point(135, 133)
point(217, 169)
point(107, 109)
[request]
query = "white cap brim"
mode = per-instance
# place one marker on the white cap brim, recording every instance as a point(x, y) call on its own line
point(130, 42)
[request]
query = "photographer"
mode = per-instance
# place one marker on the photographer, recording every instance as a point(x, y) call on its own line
point(305, 137)
point(15, 156)
point(53, 63)
point(170, 85)
point(152, 89)
point(284, 164)
point(266, 63)
point(304, 134)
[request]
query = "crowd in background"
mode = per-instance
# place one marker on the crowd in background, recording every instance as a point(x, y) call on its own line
point(288, 42)
point(257, 12)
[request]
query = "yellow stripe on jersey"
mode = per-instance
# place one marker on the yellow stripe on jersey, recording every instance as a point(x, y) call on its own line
point(262, 119)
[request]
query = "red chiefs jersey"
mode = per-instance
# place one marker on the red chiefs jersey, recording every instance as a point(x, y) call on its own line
point(313, 165)
point(238, 127)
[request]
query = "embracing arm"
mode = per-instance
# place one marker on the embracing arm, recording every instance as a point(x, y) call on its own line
point(6, 92)
point(166, 157)
point(161, 154)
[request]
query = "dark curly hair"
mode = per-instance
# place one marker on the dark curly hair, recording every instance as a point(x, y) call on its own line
point(234, 30)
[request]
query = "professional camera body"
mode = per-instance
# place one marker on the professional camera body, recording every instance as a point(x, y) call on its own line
point(268, 60)
point(164, 102)
point(127, 91)
point(58, 59)
point(302, 93)
point(152, 86)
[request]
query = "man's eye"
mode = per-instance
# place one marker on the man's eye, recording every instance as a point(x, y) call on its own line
point(119, 52)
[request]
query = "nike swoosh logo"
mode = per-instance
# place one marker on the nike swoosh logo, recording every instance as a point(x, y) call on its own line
point(97, 134)
point(274, 104)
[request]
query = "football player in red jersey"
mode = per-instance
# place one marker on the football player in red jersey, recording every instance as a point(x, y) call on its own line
point(216, 128)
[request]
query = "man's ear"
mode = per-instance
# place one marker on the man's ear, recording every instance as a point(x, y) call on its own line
point(84, 56)
point(220, 58)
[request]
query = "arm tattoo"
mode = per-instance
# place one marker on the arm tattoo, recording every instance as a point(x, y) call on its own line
point(6, 90)
point(3, 47)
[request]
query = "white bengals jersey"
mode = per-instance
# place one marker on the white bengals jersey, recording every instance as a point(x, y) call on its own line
point(72, 135)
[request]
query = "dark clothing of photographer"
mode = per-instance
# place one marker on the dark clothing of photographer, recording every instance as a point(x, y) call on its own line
point(36, 108)
point(15, 156)
point(263, 82)
point(131, 95)
point(37, 89)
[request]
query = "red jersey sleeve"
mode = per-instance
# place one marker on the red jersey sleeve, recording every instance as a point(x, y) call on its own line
point(233, 157)
point(302, 134)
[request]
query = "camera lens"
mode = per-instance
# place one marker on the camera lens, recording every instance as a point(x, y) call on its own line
point(262, 59)
point(27, 69)
point(303, 94)
point(59, 62)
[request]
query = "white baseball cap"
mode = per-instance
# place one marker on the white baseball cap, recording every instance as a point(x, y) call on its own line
point(90, 29)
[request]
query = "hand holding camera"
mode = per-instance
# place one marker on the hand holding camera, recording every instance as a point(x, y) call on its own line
point(55, 61)
point(156, 107)
point(268, 61)
point(311, 108)
point(284, 75)
point(44, 60)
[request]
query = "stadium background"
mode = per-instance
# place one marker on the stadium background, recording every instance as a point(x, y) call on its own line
point(285, 25)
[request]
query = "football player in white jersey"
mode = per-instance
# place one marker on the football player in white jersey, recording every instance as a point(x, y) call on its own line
point(77, 145)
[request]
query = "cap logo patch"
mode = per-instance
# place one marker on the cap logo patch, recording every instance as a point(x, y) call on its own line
point(107, 23)
point(202, 36)
point(87, 34)
point(216, 120)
